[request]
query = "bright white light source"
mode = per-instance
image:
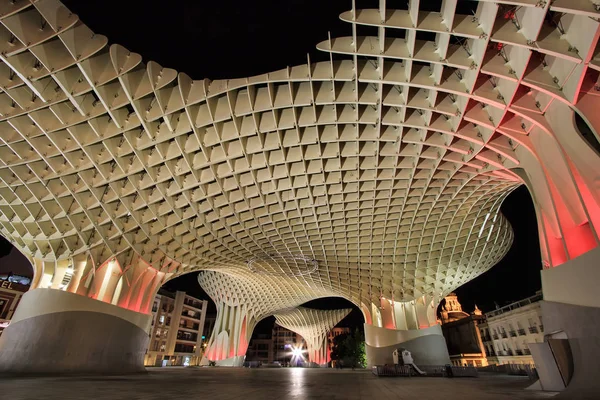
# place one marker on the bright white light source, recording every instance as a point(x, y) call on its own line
point(297, 352)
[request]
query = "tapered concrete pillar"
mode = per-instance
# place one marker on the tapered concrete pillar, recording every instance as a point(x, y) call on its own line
point(229, 340)
point(57, 332)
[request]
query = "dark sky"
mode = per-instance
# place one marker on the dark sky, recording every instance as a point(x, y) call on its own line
point(232, 39)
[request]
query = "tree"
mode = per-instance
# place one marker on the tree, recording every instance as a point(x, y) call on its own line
point(350, 349)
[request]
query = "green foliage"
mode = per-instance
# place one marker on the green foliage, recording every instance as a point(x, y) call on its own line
point(350, 349)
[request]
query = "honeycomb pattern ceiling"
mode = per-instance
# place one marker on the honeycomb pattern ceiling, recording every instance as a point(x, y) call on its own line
point(377, 173)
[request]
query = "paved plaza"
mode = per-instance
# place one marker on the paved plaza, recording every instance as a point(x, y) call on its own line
point(284, 383)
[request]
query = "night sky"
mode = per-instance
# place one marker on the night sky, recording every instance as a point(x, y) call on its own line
point(233, 39)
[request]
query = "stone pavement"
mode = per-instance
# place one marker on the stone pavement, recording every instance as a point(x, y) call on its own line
point(263, 383)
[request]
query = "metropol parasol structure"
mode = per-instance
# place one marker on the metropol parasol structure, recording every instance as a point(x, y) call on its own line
point(376, 176)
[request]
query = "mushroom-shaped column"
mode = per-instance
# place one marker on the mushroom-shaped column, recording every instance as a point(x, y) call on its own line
point(313, 325)
point(93, 307)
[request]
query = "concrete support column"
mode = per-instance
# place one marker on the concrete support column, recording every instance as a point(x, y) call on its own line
point(428, 346)
point(57, 332)
point(571, 315)
point(231, 335)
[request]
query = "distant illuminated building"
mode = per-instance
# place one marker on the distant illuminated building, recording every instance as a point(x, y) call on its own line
point(260, 349)
point(462, 335)
point(176, 331)
point(283, 342)
point(510, 329)
point(10, 296)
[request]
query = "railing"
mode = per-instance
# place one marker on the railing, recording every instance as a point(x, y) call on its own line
point(513, 369)
point(533, 299)
point(195, 304)
point(184, 348)
point(533, 329)
point(187, 336)
point(429, 370)
point(391, 370)
point(521, 332)
point(512, 333)
point(464, 372)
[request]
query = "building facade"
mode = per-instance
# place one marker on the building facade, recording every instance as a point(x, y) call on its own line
point(260, 349)
point(10, 295)
point(510, 329)
point(461, 331)
point(337, 331)
point(176, 331)
point(284, 340)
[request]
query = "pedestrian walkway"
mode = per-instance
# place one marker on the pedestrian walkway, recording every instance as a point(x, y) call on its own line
point(272, 383)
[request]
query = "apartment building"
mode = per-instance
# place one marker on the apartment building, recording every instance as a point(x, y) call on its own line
point(509, 330)
point(284, 341)
point(260, 349)
point(176, 334)
point(11, 291)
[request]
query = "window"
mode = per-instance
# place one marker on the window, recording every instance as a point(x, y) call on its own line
point(161, 319)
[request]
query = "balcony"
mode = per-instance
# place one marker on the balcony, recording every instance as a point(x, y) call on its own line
point(191, 303)
point(187, 336)
point(185, 324)
point(512, 333)
point(533, 329)
point(193, 315)
point(521, 332)
point(184, 348)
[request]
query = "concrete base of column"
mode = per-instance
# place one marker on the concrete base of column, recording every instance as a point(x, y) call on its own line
point(571, 316)
point(428, 346)
point(56, 332)
point(237, 361)
point(581, 363)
